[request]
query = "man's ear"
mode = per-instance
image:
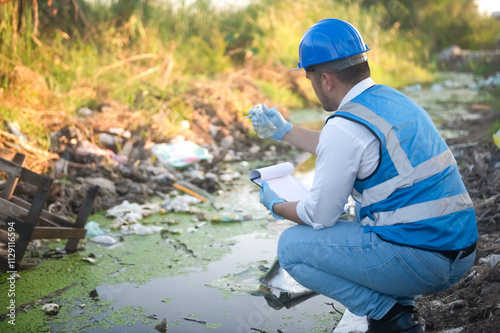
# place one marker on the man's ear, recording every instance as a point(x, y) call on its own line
point(329, 81)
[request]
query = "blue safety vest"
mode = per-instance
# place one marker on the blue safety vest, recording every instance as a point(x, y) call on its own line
point(416, 196)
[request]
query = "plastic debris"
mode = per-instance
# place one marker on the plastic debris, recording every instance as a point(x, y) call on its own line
point(86, 112)
point(230, 177)
point(224, 218)
point(94, 230)
point(227, 218)
point(133, 212)
point(118, 223)
point(180, 154)
point(109, 139)
point(90, 260)
point(140, 229)
point(496, 139)
point(16, 130)
point(181, 204)
point(104, 239)
point(277, 278)
point(51, 309)
point(193, 190)
point(492, 260)
point(103, 183)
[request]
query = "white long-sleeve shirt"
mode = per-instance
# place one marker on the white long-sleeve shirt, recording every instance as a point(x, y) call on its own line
point(346, 151)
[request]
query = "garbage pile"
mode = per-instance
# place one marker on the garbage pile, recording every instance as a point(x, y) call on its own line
point(93, 150)
point(457, 59)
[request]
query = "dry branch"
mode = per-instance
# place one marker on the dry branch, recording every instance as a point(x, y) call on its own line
point(35, 24)
point(27, 146)
point(37, 158)
point(125, 61)
point(145, 73)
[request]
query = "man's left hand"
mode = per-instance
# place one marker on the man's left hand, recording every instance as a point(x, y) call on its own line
point(269, 198)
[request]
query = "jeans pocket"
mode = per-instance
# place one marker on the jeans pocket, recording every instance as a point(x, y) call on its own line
point(396, 277)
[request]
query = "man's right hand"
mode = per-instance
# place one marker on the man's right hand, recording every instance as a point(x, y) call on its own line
point(282, 126)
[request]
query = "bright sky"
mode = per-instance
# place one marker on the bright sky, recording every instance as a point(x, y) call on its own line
point(488, 6)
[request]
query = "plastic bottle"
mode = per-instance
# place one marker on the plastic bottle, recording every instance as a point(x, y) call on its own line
point(496, 138)
point(264, 127)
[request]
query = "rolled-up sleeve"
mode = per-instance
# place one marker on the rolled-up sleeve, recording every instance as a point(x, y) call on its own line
point(341, 151)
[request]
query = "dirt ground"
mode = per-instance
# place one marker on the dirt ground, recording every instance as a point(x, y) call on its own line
point(473, 305)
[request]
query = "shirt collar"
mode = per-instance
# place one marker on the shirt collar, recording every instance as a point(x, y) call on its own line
point(356, 90)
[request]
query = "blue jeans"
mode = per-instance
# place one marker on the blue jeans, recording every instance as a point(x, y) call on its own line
point(361, 271)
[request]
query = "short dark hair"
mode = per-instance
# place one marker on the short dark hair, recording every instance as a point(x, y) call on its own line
point(350, 75)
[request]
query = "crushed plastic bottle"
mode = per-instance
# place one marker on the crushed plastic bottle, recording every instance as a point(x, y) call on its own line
point(264, 128)
point(496, 139)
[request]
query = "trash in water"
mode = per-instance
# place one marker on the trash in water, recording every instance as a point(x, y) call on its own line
point(93, 230)
point(284, 290)
point(181, 204)
point(51, 309)
point(104, 239)
point(276, 286)
point(90, 260)
point(180, 154)
point(140, 229)
point(118, 223)
point(133, 212)
point(223, 218)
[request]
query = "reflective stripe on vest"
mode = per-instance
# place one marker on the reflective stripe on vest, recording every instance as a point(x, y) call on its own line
point(422, 211)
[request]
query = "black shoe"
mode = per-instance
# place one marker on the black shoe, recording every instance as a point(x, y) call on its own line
point(403, 322)
point(414, 315)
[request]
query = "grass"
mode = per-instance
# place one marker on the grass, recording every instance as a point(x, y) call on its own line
point(185, 43)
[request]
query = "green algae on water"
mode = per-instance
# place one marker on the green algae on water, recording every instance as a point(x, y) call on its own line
point(137, 260)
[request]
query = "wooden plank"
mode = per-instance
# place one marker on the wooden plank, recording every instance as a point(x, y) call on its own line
point(31, 220)
point(46, 218)
point(4, 264)
point(10, 184)
point(82, 217)
point(20, 212)
point(7, 154)
point(40, 181)
point(4, 236)
point(10, 168)
point(57, 232)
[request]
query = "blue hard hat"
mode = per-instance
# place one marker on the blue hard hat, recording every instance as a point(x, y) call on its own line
point(328, 40)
